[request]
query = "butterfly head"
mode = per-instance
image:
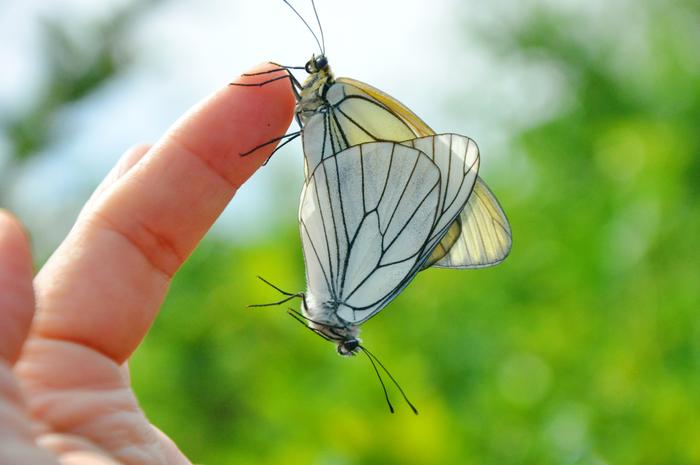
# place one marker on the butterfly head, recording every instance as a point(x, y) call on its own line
point(349, 347)
point(345, 337)
point(317, 64)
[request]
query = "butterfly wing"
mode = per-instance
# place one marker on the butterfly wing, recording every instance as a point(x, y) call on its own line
point(485, 238)
point(397, 109)
point(366, 217)
point(353, 118)
point(371, 215)
point(360, 113)
point(457, 158)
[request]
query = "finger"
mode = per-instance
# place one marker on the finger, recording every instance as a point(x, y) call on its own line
point(125, 163)
point(16, 292)
point(105, 283)
point(173, 455)
point(16, 311)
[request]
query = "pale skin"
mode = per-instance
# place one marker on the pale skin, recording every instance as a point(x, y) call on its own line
point(67, 333)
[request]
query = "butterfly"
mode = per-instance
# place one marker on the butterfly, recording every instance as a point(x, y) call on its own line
point(370, 216)
point(356, 139)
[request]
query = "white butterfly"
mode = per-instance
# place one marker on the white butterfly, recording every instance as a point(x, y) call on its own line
point(370, 217)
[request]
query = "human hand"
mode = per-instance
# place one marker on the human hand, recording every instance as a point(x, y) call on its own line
point(65, 395)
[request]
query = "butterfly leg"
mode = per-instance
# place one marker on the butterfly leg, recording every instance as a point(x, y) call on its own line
point(296, 85)
point(290, 137)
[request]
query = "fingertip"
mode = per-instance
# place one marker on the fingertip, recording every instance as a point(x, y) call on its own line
point(136, 151)
point(130, 158)
point(272, 103)
point(239, 118)
point(127, 161)
point(270, 85)
point(12, 231)
point(16, 291)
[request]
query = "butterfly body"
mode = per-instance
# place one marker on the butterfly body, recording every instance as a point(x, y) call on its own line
point(322, 318)
point(312, 95)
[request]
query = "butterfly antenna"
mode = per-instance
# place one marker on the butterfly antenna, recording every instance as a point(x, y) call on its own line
point(373, 358)
point(289, 295)
point(381, 381)
point(320, 28)
point(307, 24)
point(370, 356)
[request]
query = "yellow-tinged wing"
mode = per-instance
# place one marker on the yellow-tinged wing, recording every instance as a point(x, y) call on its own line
point(446, 244)
point(400, 110)
point(485, 237)
point(479, 237)
point(357, 115)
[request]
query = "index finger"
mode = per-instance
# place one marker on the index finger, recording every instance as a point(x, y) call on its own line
point(105, 283)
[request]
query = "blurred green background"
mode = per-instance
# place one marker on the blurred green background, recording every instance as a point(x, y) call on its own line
point(582, 348)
